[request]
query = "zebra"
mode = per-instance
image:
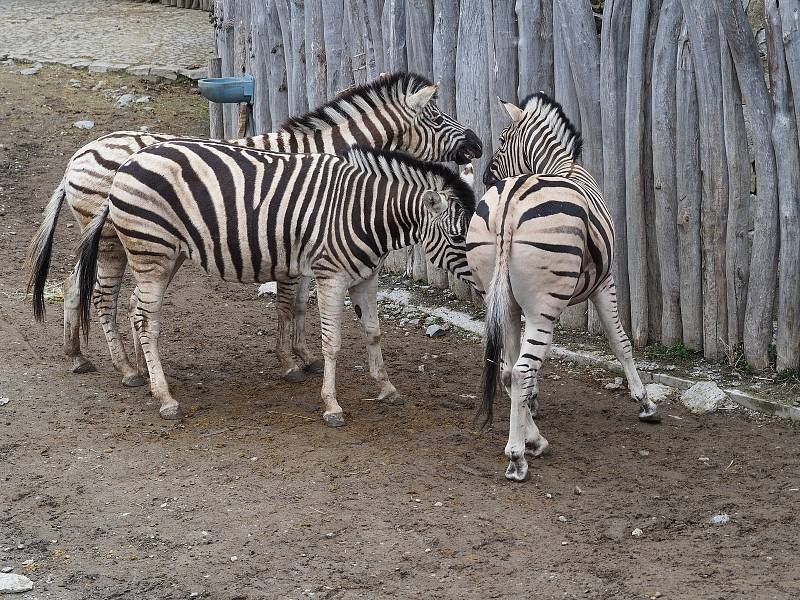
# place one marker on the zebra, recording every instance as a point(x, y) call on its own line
point(536, 244)
point(395, 112)
point(255, 216)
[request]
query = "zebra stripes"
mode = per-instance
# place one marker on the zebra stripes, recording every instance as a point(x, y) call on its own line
point(255, 216)
point(393, 112)
point(536, 244)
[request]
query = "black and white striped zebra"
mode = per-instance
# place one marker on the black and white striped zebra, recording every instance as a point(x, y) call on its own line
point(253, 216)
point(536, 244)
point(394, 112)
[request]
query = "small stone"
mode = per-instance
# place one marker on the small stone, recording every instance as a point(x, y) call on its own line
point(4, 401)
point(194, 595)
point(578, 491)
point(637, 532)
point(99, 85)
point(615, 385)
point(142, 99)
point(554, 377)
point(437, 504)
point(644, 452)
point(421, 368)
point(6, 569)
point(720, 519)
point(548, 495)
point(330, 535)
point(125, 100)
point(564, 543)
point(11, 583)
point(143, 128)
point(658, 392)
point(32, 70)
point(20, 546)
point(234, 558)
point(28, 562)
point(562, 518)
point(434, 331)
point(703, 397)
point(83, 124)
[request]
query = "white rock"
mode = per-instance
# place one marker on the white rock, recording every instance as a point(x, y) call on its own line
point(32, 70)
point(658, 392)
point(270, 287)
point(434, 331)
point(703, 397)
point(11, 583)
point(125, 100)
point(615, 385)
point(142, 99)
point(4, 401)
point(83, 124)
point(637, 532)
point(720, 519)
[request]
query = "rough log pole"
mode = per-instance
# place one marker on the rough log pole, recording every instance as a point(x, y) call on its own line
point(573, 317)
point(278, 81)
point(701, 20)
point(790, 21)
point(260, 67)
point(688, 179)
point(241, 33)
point(298, 101)
point(216, 121)
point(583, 50)
point(614, 45)
point(225, 49)
point(285, 24)
point(503, 71)
point(663, 119)
point(535, 47)
point(784, 135)
point(357, 28)
point(346, 66)
point(361, 18)
point(374, 11)
point(761, 287)
point(316, 62)
point(737, 252)
point(333, 13)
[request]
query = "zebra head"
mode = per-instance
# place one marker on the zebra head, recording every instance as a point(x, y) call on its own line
point(540, 139)
point(435, 135)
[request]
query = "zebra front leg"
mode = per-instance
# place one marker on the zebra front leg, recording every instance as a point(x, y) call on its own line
point(605, 300)
point(285, 300)
point(523, 434)
point(299, 346)
point(330, 298)
point(111, 265)
point(147, 322)
point(72, 333)
point(364, 297)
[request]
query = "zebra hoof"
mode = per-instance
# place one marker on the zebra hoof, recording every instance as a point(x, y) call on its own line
point(134, 380)
point(317, 367)
point(333, 419)
point(295, 376)
point(171, 412)
point(82, 365)
point(517, 470)
point(651, 418)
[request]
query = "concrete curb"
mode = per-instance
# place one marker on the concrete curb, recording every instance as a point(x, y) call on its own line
point(466, 322)
point(148, 72)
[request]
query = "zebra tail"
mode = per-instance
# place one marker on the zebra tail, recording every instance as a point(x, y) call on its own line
point(498, 316)
point(87, 266)
point(40, 251)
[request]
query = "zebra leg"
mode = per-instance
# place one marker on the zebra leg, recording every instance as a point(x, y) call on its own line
point(364, 297)
point(72, 333)
point(605, 300)
point(147, 322)
point(523, 434)
point(299, 347)
point(511, 344)
point(111, 265)
point(285, 299)
point(330, 298)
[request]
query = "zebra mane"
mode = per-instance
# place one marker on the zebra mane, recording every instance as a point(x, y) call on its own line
point(398, 166)
point(552, 114)
point(362, 99)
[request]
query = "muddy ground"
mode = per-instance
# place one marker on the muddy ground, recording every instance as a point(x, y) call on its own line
point(253, 497)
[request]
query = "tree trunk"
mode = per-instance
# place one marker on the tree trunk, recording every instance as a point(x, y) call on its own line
point(688, 179)
point(374, 10)
point(790, 21)
point(332, 14)
point(346, 69)
point(260, 67)
point(285, 20)
point(278, 81)
point(614, 45)
point(316, 61)
point(357, 24)
point(535, 47)
point(394, 35)
point(737, 252)
point(226, 51)
point(216, 122)
point(501, 36)
point(761, 287)
point(664, 116)
point(784, 135)
point(419, 28)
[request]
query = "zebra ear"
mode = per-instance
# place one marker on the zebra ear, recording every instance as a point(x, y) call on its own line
point(418, 100)
point(514, 111)
point(434, 202)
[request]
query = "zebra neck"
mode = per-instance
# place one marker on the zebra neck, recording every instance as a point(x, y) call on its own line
point(403, 222)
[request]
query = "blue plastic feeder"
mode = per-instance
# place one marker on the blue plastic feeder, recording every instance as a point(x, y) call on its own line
point(227, 89)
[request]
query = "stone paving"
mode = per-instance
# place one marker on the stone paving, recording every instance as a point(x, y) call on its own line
point(149, 40)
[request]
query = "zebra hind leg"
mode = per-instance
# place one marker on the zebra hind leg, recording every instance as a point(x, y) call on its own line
point(605, 300)
point(285, 300)
point(72, 333)
point(330, 298)
point(365, 304)
point(299, 346)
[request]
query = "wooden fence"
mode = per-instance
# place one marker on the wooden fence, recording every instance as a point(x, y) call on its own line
point(696, 154)
point(196, 4)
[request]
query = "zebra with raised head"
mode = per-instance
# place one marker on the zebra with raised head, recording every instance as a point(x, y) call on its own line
point(395, 112)
point(253, 216)
point(536, 244)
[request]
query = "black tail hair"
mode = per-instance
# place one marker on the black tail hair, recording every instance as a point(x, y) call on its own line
point(492, 357)
point(87, 266)
point(40, 251)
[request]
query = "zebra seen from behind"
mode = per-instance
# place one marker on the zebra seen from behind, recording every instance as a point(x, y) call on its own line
point(253, 216)
point(536, 244)
point(395, 112)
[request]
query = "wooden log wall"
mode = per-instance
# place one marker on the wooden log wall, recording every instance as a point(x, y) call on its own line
point(706, 210)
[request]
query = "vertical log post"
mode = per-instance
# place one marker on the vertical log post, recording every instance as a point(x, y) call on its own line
point(216, 121)
point(260, 67)
point(332, 14)
point(278, 80)
point(316, 62)
point(535, 47)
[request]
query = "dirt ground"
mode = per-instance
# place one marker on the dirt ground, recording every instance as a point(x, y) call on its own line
point(253, 497)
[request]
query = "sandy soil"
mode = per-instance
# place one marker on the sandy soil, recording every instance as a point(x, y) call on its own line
point(253, 497)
